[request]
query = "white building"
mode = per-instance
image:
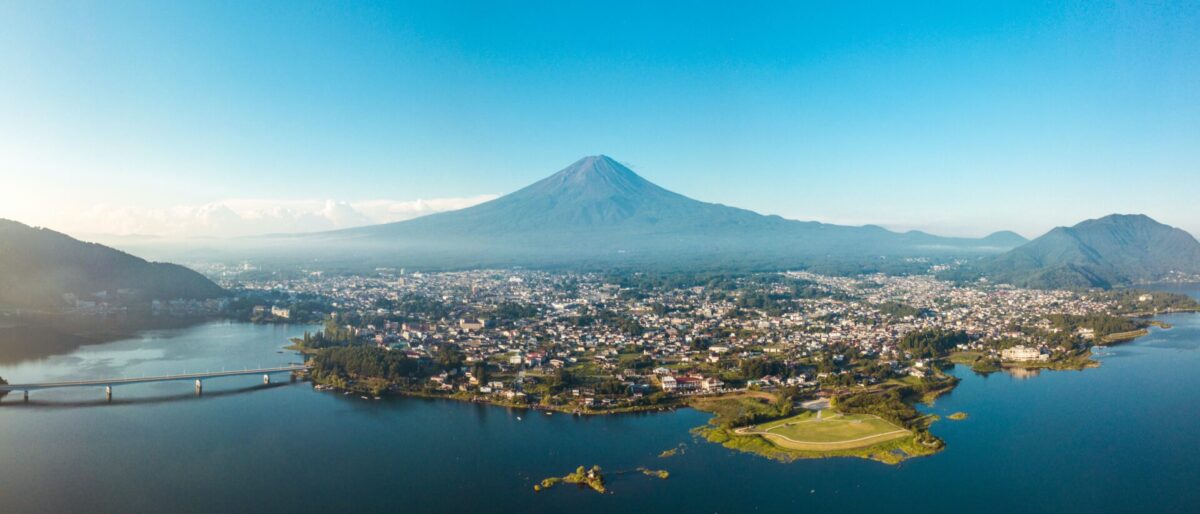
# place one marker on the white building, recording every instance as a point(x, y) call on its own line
point(1022, 353)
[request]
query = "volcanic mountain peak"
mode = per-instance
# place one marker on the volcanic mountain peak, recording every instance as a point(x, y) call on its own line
point(597, 177)
point(598, 212)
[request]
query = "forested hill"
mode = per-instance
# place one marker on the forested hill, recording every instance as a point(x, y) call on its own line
point(1115, 250)
point(39, 266)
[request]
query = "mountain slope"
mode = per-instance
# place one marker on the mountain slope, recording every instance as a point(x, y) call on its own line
point(594, 193)
point(38, 266)
point(599, 213)
point(1113, 250)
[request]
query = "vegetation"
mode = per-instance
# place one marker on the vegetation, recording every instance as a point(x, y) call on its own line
point(1123, 337)
point(592, 478)
point(512, 311)
point(373, 369)
point(985, 365)
point(1103, 253)
point(624, 323)
point(332, 335)
point(889, 452)
point(888, 404)
point(899, 310)
point(827, 431)
point(1140, 302)
point(932, 343)
point(673, 451)
point(660, 473)
point(39, 266)
point(749, 407)
point(1101, 324)
point(884, 416)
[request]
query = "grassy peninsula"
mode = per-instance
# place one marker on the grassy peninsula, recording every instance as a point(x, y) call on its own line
point(880, 424)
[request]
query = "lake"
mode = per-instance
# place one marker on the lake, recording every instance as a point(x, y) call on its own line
point(1119, 438)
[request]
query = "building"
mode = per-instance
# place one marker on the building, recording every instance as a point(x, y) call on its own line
point(280, 312)
point(711, 384)
point(1022, 353)
point(687, 383)
point(668, 383)
point(471, 325)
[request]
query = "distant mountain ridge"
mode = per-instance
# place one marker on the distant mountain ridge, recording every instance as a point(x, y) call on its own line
point(597, 212)
point(1119, 249)
point(38, 266)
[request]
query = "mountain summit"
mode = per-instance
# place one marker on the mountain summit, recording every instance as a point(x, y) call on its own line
point(594, 178)
point(594, 194)
point(599, 213)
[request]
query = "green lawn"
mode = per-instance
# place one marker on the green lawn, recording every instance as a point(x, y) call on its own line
point(831, 431)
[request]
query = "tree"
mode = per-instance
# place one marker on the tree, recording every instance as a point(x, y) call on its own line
point(448, 357)
point(932, 343)
point(480, 372)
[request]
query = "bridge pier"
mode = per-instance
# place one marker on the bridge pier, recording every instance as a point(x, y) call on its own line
point(199, 387)
point(108, 393)
point(266, 379)
point(26, 396)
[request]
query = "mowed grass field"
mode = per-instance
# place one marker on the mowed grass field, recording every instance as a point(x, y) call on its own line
point(830, 432)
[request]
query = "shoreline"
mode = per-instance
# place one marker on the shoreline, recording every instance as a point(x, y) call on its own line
point(892, 452)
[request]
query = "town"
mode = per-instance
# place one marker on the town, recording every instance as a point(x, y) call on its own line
point(593, 343)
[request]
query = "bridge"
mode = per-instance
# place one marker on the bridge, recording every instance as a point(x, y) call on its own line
point(109, 383)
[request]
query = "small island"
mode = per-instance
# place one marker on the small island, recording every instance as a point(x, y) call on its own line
point(678, 450)
point(957, 416)
point(660, 473)
point(592, 478)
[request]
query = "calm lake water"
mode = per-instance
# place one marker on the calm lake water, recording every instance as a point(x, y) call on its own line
point(1119, 438)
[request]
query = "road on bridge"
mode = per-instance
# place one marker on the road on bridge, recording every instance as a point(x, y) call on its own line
point(110, 382)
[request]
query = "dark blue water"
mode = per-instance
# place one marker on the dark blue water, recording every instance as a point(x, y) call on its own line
point(1120, 438)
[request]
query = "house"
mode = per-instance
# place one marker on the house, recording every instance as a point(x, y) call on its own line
point(534, 359)
point(280, 312)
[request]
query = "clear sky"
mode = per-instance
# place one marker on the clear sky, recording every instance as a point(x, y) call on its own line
point(954, 117)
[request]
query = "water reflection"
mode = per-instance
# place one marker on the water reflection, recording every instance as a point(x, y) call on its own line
point(1023, 373)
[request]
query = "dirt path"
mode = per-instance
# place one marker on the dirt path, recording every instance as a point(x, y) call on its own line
point(747, 431)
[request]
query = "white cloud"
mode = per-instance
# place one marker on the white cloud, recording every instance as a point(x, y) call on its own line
point(243, 217)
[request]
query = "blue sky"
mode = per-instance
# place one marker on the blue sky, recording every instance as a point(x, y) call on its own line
point(955, 117)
